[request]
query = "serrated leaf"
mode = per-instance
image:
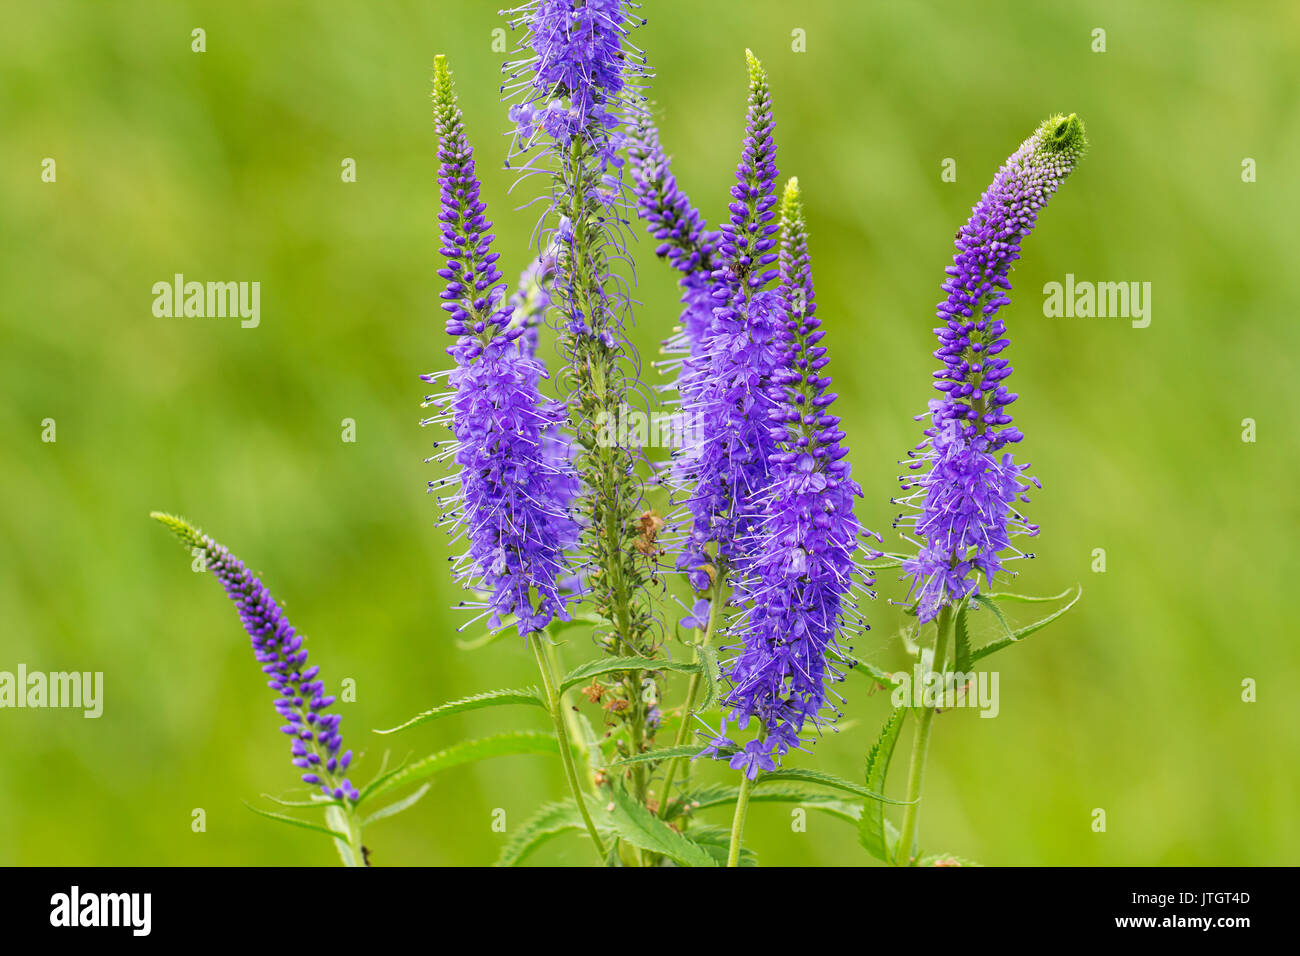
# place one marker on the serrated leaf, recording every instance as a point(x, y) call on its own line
point(709, 674)
point(716, 841)
point(662, 753)
point(825, 780)
point(312, 802)
point(614, 665)
point(295, 821)
point(1028, 598)
point(550, 821)
point(463, 752)
point(1014, 637)
point(719, 796)
point(492, 698)
point(872, 832)
point(393, 809)
point(641, 828)
point(961, 656)
point(867, 669)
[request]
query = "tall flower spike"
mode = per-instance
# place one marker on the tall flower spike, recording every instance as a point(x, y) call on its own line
point(724, 385)
point(798, 590)
point(510, 495)
point(301, 700)
point(964, 504)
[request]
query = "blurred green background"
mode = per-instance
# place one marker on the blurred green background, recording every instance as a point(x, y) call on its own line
point(225, 165)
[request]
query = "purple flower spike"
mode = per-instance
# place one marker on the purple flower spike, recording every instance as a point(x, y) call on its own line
point(572, 72)
point(798, 587)
point(278, 648)
point(724, 385)
point(512, 492)
point(964, 505)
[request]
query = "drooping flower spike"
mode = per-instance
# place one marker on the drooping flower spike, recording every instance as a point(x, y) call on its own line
point(301, 700)
point(798, 591)
point(964, 504)
point(724, 384)
point(510, 493)
point(683, 237)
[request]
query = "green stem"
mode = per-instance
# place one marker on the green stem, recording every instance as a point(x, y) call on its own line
point(566, 751)
point(738, 821)
point(907, 840)
point(692, 690)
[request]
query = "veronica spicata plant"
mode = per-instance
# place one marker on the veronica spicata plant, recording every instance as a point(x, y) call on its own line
point(965, 489)
point(549, 507)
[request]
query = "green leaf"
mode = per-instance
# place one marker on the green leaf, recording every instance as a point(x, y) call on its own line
point(641, 828)
point(466, 751)
point(493, 698)
point(826, 780)
point(961, 661)
point(720, 796)
point(550, 820)
point(709, 671)
point(662, 753)
point(311, 802)
point(614, 665)
point(872, 832)
point(1028, 598)
point(716, 841)
point(882, 677)
point(1020, 634)
point(305, 824)
point(395, 808)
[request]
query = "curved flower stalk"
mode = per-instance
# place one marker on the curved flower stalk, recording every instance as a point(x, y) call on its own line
point(964, 505)
point(511, 494)
point(724, 383)
point(682, 233)
point(301, 700)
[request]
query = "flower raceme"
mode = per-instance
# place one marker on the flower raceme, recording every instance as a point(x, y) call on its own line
point(797, 590)
point(964, 504)
point(510, 493)
point(301, 699)
point(723, 384)
point(573, 74)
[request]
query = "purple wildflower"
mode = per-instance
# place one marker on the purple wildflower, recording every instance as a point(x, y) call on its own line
point(797, 590)
point(301, 700)
point(510, 492)
point(965, 512)
point(573, 73)
point(752, 758)
point(724, 383)
point(698, 619)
